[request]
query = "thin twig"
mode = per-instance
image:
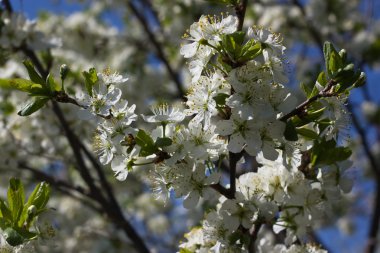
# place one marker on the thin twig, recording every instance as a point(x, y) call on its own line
point(158, 47)
point(326, 92)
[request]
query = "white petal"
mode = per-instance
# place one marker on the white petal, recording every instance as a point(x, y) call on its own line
point(191, 200)
point(236, 143)
point(225, 127)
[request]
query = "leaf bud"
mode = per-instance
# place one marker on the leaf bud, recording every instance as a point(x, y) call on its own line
point(64, 70)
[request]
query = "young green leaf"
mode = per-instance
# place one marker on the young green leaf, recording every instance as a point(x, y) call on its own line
point(51, 84)
point(16, 198)
point(91, 78)
point(333, 60)
point(163, 142)
point(33, 106)
point(33, 75)
point(307, 133)
point(326, 152)
point(20, 84)
point(146, 143)
point(6, 214)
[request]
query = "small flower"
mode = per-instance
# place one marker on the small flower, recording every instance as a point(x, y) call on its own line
point(109, 78)
point(270, 42)
point(164, 114)
point(104, 147)
point(101, 100)
point(200, 99)
point(122, 164)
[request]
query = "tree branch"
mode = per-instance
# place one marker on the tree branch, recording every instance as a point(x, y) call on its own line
point(240, 10)
point(159, 50)
point(375, 224)
point(110, 207)
point(8, 6)
point(62, 186)
point(326, 92)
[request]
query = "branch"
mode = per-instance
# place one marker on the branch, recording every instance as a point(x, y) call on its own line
point(62, 186)
point(310, 27)
point(240, 10)
point(8, 6)
point(222, 190)
point(234, 159)
point(254, 234)
point(159, 50)
point(326, 92)
point(112, 208)
point(375, 224)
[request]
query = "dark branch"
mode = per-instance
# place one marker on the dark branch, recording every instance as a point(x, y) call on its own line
point(326, 92)
point(375, 224)
point(8, 6)
point(240, 10)
point(158, 47)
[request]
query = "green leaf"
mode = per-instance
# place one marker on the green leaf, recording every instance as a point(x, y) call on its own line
point(311, 116)
point(322, 80)
point(326, 153)
point(361, 80)
point(38, 198)
point(33, 106)
point(91, 78)
point(3, 223)
point(290, 132)
point(232, 43)
point(20, 84)
point(5, 212)
point(307, 89)
point(307, 133)
point(16, 198)
point(163, 142)
point(183, 250)
point(146, 143)
point(250, 51)
point(6, 108)
point(333, 60)
point(220, 99)
point(33, 75)
point(12, 237)
point(51, 84)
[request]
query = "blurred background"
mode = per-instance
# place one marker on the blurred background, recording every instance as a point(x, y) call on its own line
point(141, 39)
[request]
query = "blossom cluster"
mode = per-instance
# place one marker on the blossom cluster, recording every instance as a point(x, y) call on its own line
point(237, 110)
point(236, 104)
point(16, 31)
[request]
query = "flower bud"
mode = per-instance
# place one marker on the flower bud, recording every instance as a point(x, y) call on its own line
point(343, 54)
point(32, 210)
point(64, 70)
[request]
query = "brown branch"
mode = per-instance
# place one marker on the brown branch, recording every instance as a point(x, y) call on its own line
point(326, 92)
point(375, 224)
point(240, 10)
point(222, 190)
point(310, 27)
point(111, 206)
point(158, 47)
point(8, 6)
point(62, 186)
point(254, 235)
